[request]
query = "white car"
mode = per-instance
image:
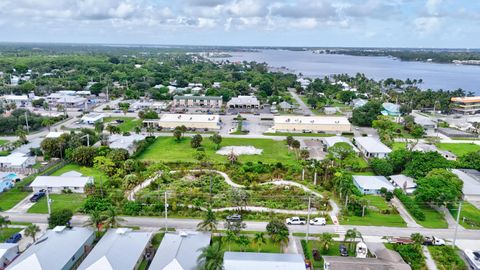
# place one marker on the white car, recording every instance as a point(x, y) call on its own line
point(318, 221)
point(296, 221)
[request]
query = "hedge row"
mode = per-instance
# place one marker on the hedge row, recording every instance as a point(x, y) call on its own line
point(410, 204)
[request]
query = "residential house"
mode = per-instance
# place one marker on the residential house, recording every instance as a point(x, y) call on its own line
point(17, 161)
point(60, 248)
point(70, 181)
point(8, 253)
point(371, 147)
point(117, 141)
point(264, 261)
point(391, 109)
point(179, 251)
point(92, 118)
point(471, 183)
point(372, 184)
point(406, 183)
point(18, 100)
point(331, 141)
point(358, 102)
point(285, 106)
point(118, 249)
point(424, 147)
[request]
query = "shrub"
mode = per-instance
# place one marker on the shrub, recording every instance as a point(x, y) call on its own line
point(410, 204)
point(412, 254)
point(446, 257)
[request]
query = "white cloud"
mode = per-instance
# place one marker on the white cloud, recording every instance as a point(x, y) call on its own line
point(307, 23)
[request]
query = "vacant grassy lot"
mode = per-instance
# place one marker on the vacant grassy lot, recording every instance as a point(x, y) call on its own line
point(433, 218)
point(59, 201)
point(167, 149)
point(269, 247)
point(98, 176)
point(129, 123)
point(459, 149)
point(469, 215)
point(5, 233)
point(447, 257)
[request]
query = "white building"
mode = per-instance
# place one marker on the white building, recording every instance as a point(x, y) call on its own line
point(17, 160)
point(93, 118)
point(331, 141)
point(371, 184)
point(18, 100)
point(73, 181)
point(471, 183)
point(403, 182)
point(67, 100)
point(371, 147)
point(217, 85)
point(191, 121)
point(117, 141)
point(55, 134)
point(264, 261)
point(245, 102)
point(292, 123)
point(197, 101)
point(8, 252)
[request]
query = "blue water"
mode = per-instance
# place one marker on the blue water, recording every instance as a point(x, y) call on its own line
point(435, 76)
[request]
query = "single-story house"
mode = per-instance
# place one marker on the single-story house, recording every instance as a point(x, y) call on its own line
point(56, 184)
point(372, 184)
point(18, 100)
point(358, 102)
point(391, 109)
point(286, 106)
point(264, 261)
point(8, 252)
point(25, 148)
point(331, 141)
point(60, 248)
point(403, 182)
point(471, 183)
point(117, 141)
point(191, 121)
point(246, 102)
point(425, 122)
point(371, 147)
point(292, 123)
point(179, 251)
point(424, 147)
point(7, 180)
point(93, 118)
point(17, 161)
point(118, 249)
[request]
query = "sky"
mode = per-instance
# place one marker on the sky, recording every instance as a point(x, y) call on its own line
point(312, 23)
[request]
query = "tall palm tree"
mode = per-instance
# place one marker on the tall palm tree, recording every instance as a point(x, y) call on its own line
point(282, 238)
point(209, 223)
point(243, 241)
point(47, 122)
point(111, 218)
point(259, 240)
point(326, 239)
point(31, 231)
point(96, 219)
point(211, 257)
point(229, 237)
point(351, 236)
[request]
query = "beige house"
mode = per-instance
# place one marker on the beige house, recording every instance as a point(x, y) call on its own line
point(191, 121)
point(197, 101)
point(328, 124)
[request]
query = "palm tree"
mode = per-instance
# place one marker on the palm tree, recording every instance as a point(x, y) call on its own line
point(229, 237)
point(282, 238)
point(96, 219)
point(22, 135)
point(47, 122)
point(243, 241)
point(326, 239)
point(232, 157)
point(211, 257)
point(259, 240)
point(209, 223)
point(31, 231)
point(351, 236)
point(111, 219)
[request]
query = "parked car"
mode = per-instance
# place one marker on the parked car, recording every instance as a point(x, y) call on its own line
point(343, 251)
point(14, 238)
point(318, 221)
point(234, 217)
point(296, 221)
point(37, 196)
point(433, 241)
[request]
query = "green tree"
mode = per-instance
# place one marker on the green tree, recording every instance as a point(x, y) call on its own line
point(351, 237)
point(209, 223)
point(196, 141)
point(105, 165)
point(259, 240)
point(47, 122)
point(439, 187)
point(177, 134)
point(83, 155)
point(60, 217)
point(211, 257)
point(243, 241)
point(470, 160)
point(96, 219)
point(22, 135)
point(4, 222)
point(381, 166)
point(365, 115)
point(31, 231)
point(112, 220)
point(216, 139)
point(326, 240)
point(417, 238)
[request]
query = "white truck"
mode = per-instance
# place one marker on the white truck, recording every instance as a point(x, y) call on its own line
point(434, 241)
point(318, 221)
point(296, 221)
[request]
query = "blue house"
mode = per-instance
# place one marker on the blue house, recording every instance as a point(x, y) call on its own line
point(7, 180)
point(391, 109)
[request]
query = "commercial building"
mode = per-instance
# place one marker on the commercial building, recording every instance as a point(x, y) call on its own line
point(471, 183)
point(371, 147)
point(67, 100)
point(19, 101)
point(191, 121)
point(406, 183)
point(72, 181)
point(371, 184)
point(119, 249)
point(197, 101)
point(331, 141)
point(455, 133)
point(327, 124)
point(244, 102)
point(264, 261)
point(60, 248)
point(8, 252)
point(17, 161)
point(179, 251)
point(466, 105)
point(92, 118)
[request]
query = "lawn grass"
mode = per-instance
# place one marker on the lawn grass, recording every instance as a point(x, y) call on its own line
point(97, 175)
point(59, 201)
point(129, 123)
point(399, 145)
point(333, 250)
point(167, 149)
point(459, 149)
point(433, 218)
point(469, 215)
point(298, 134)
point(447, 258)
point(2, 142)
point(269, 247)
point(5, 233)
point(10, 198)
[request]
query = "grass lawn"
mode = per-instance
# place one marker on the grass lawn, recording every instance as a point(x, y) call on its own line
point(269, 247)
point(5, 233)
point(299, 134)
point(446, 257)
point(469, 215)
point(9, 199)
point(333, 250)
point(459, 149)
point(98, 176)
point(2, 142)
point(167, 149)
point(129, 123)
point(60, 201)
point(433, 218)
point(399, 145)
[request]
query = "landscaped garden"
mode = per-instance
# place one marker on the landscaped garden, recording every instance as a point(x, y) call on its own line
point(411, 254)
point(247, 243)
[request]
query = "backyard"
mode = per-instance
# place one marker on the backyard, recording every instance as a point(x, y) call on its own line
point(459, 149)
point(128, 125)
point(167, 149)
point(59, 201)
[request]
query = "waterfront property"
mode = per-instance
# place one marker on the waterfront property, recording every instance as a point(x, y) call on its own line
point(466, 105)
point(316, 124)
point(197, 101)
point(371, 147)
point(264, 261)
point(372, 184)
point(191, 121)
point(70, 181)
point(60, 248)
point(119, 249)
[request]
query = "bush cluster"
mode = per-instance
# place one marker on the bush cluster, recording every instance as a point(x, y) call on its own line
point(410, 204)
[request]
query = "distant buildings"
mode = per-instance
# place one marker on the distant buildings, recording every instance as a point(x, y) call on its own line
point(197, 101)
point(358, 102)
point(466, 105)
point(391, 109)
point(70, 181)
point(292, 123)
point(18, 100)
point(191, 121)
point(264, 261)
point(371, 147)
point(244, 102)
point(371, 184)
point(92, 118)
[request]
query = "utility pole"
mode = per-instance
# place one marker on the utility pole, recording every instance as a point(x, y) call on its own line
point(26, 121)
point(48, 202)
point(458, 221)
point(308, 218)
point(166, 213)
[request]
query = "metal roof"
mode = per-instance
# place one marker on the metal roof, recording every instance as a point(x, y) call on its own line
point(372, 145)
point(61, 181)
point(372, 182)
point(189, 118)
point(401, 179)
point(470, 179)
point(311, 120)
point(264, 261)
point(198, 97)
point(331, 141)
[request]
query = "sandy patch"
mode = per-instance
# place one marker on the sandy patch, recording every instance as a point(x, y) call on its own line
point(239, 150)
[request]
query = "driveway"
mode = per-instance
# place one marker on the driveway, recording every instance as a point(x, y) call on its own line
point(22, 206)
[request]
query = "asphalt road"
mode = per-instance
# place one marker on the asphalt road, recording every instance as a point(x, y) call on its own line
point(302, 105)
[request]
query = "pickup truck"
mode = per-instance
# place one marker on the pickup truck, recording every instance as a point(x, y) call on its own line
point(296, 221)
point(433, 241)
point(37, 196)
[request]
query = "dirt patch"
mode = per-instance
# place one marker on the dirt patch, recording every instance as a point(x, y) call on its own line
point(239, 150)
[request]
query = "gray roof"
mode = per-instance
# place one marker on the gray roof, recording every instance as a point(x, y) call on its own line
point(372, 145)
point(349, 263)
point(180, 250)
point(118, 249)
point(401, 179)
point(198, 97)
point(25, 149)
point(53, 250)
point(372, 182)
point(331, 141)
point(264, 261)
point(470, 179)
point(72, 173)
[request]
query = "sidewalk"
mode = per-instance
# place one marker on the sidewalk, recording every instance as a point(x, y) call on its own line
point(411, 223)
point(428, 259)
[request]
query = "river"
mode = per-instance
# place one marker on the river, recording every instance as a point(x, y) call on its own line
point(435, 76)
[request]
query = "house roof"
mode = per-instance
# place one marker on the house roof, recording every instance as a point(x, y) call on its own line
point(5, 249)
point(390, 107)
point(244, 100)
point(198, 97)
point(401, 179)
point(470, 179)
point(311, 120)
point(180, 251)
point(331, 141)
point(14, 159)
point(118, 249)
point(348, 263)
point(264, 261)
point(372, 145)
point(93, 117)
point(53, 250)
point(124, 142)
point(61, 181)
point(54, 134)
point(372, 182)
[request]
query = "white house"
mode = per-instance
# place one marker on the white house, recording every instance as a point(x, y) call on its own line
point(191, 121)
point(117, 141)
point(404, 182)
point(372, 184)
point(264, 261)
point(18, 100)
point(371, 147)
point(92, 118)
point(17, 161)
point(73, 181)
point(471, 183)
point(293, 123)
point(8, 252)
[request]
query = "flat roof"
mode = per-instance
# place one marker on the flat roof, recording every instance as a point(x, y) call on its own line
point(61, 181)
point(201, 118)
point(470, 179)
point(372, 145)
point(331, 141)
point(311, 120)
point(93, 116)
point(402, 181)
point(264, 261)
point(373, 182)
point(198, 97)
point(14, 159)
point(249, 100)
point(348, 263)
point(466, 99)
point(120, 141)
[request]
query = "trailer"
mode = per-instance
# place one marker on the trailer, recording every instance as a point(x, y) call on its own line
point(401, 240)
